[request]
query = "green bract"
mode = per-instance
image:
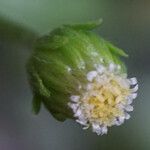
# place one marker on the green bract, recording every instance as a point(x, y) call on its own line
point(60, 62)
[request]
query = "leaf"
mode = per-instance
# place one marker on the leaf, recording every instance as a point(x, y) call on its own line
point(36, 104)
point(116, 50)
point(87, 26)
point(59, 116)
point(35, 80)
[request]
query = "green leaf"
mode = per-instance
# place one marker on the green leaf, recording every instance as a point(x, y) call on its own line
point(87, 26)
point(34, 78)
point(116, 50)
point(36, 104)
point(59, 116)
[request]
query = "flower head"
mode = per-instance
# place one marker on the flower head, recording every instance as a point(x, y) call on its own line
point(76, 74)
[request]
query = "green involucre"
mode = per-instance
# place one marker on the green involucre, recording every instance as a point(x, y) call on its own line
point(72, 47)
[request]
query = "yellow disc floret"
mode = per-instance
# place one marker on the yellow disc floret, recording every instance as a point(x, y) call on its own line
point(103, 100)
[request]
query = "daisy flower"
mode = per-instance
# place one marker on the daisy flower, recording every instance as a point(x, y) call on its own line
point(76, 74)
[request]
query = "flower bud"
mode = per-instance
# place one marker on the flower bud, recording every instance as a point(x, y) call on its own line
point(77, 74)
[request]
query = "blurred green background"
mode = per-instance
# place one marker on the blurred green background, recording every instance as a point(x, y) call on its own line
point(126, 24)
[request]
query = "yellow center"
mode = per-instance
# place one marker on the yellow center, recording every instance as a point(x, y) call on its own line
point(104, 104)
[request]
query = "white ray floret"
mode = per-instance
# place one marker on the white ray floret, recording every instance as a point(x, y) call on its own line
point(129, 108)
point(74, 98)
point(105, 99)
point(133, 95)
point(127, 116)
point(91, 75)
point(100, 68)
point(112, 67)
point(96, 128)
point(135, 88)
point(133, 81)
